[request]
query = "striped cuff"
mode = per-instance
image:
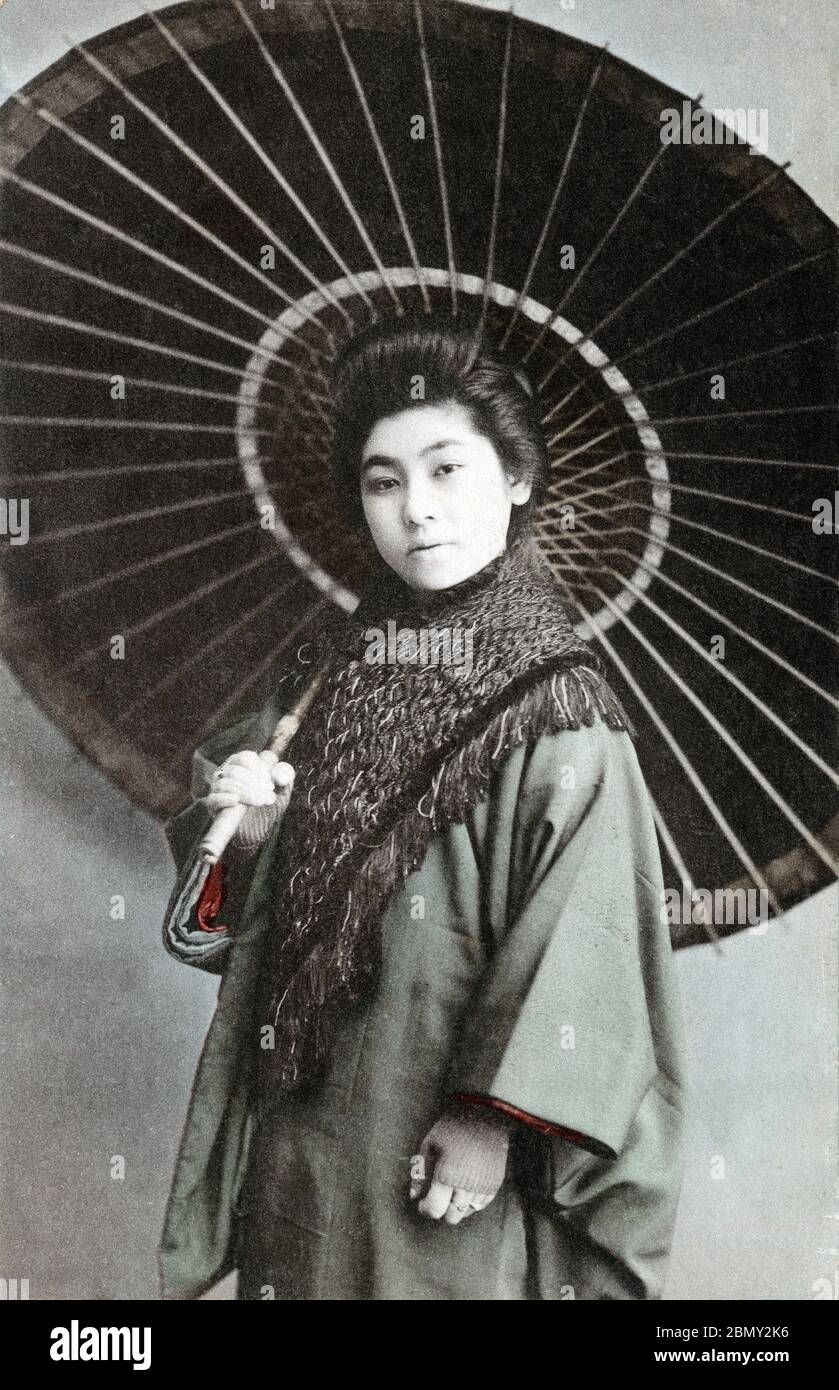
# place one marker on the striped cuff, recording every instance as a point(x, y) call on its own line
point(471, 1149)
point(534, 1121)
point(254, 828)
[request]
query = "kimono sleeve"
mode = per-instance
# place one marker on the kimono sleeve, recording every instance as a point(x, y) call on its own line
point(577, 1018)
point(183, 936)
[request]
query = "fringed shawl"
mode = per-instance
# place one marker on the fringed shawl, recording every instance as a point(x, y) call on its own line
point(391, 753)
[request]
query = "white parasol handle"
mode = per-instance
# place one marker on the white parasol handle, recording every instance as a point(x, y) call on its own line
point(226, 823)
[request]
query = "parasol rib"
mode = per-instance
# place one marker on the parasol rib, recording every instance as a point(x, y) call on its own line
point(489, 273)
point(549, 216)
point(685, 875)
point(312, 134)
point(380, 151)
point(147, 384)
point(61, 268)
point(763, 781)
point(108, 229)
point(715, 418)
point(176, 672)
point(111, 335)
point(108, 160)
point(736, 361)
point(550, 506)
point(607, 235)
point(109, 471)
point(111, 576)
point(106, 422)
point(723, 574)
point(750, 458)
point(693, 491)
point(87, 527)
point(438, 152)
point(159, 615)
point(724, 671)
point(207, 169)
point(715, 613)
point(651, 386)
point(253, 675)
point(664, 270)
point(703, 314)
point(690, 771)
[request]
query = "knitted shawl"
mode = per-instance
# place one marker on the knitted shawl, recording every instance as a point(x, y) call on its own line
point(425, 695)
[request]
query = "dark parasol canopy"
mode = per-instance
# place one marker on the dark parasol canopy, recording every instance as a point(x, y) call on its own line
point(198, 204)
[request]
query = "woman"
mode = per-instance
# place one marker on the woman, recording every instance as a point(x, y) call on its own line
point(448, 994)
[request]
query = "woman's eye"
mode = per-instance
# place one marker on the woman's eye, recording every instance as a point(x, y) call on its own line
point(379, 484)
point(449, 465)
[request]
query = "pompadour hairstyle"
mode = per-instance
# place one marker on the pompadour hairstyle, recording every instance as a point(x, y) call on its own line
point(376, 374)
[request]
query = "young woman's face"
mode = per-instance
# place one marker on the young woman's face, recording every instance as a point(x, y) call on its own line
point(435, 494)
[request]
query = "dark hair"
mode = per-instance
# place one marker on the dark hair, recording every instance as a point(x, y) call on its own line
point(375, 375)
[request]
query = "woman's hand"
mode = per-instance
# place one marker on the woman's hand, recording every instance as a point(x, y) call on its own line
point(465, 1157)
point(251, 779)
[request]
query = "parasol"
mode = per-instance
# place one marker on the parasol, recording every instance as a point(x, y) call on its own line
point(199, 204)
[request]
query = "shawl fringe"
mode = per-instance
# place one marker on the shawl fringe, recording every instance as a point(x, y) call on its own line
point(571, 698)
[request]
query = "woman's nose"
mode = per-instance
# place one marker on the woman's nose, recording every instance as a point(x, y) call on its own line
point(417, 505)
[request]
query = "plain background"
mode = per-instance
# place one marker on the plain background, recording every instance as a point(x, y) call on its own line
point(102, 1029)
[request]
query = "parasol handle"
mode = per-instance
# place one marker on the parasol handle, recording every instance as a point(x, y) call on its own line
point(226, 823)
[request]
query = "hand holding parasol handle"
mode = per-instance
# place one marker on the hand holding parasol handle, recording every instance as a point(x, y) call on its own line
point(227, 821)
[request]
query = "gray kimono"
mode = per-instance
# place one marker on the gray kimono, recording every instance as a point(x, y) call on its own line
point(528, 959)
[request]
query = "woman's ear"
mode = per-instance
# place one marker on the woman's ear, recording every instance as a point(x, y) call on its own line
point(520, 489)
